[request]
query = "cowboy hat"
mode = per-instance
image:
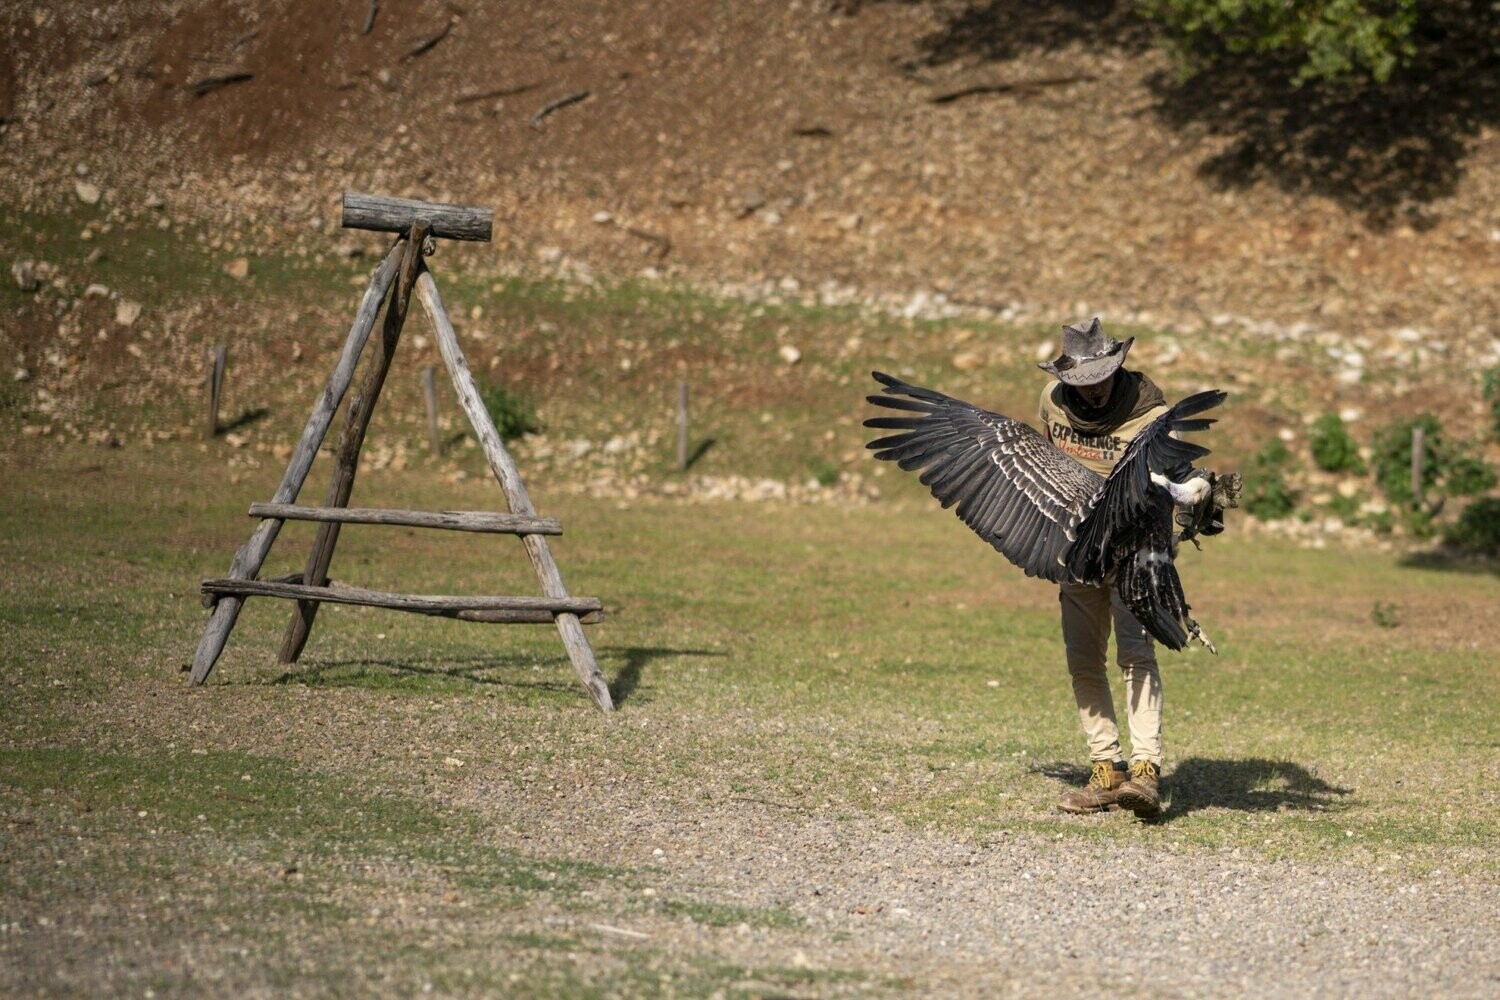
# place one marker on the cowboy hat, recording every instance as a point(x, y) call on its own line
point(1089, 355)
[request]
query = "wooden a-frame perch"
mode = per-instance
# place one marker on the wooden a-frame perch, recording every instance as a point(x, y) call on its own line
point(401, 273)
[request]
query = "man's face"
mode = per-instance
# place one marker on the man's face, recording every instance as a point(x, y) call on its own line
point(1097, 395)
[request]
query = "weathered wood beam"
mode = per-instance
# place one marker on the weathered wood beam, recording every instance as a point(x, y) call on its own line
point(453, 520)
point(352, 439)
point(504, 468)
point(248, 560)
point(423, 603)
point(397, 215)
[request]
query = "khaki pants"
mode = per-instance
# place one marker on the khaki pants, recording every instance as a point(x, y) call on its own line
point(1086, 615)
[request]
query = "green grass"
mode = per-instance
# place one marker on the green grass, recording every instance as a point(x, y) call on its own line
point(871, 665)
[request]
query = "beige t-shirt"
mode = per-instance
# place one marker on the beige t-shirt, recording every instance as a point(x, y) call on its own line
point(1096, 452)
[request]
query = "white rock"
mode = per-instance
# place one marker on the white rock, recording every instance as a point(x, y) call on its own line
point(616, 445)
point(603, 218)
point(1287, 434)
point(24, 271)
point(578, 447)
point(789, 354)
point(21, 375)
point(96, 291)
point(1350, 414)
point(87, 193)
point(127, 312)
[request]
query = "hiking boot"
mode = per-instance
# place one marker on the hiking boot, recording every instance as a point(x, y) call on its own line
point(1142, 793)
point(1105, 781)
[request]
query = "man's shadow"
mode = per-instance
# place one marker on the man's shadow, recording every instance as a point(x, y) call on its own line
point(1254, 784)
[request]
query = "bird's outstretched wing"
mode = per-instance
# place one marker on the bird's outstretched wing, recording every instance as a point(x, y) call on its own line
point(1011, 485)
point(1128, 531)
point(1129, 499)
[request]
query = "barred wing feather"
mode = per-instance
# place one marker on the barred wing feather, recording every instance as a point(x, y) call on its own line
point(1012, 486)
point(1129, 500)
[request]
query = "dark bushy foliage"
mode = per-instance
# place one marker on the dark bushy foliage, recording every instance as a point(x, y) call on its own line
point(1332, 447)
point(1267, 495)
point(1444, 472)
point(1492, 396)
point(1324, 39)
point(1478, 527)
point(512, 412)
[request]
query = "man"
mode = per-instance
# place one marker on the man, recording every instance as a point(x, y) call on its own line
point(1091, 412)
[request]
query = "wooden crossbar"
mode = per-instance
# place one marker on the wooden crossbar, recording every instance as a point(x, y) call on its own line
point(453, 520)
point(540, 609)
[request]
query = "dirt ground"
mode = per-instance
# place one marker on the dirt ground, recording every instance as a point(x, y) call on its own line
point(800, 141)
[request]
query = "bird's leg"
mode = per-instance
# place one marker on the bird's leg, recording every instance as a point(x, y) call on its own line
point(1185, 494)
point(1197, 633)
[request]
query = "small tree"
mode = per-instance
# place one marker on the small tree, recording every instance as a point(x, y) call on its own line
point(1342, 40)
point(1266, 494)
point(1332, 447)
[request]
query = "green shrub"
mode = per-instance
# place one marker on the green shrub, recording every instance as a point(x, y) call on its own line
point(1467, 476)
point(1267, 495)
point(1343, 40)
point(1478, 527)
point(1332, 448)
point(1492, 396)
point(512, 412)
point(824, 471)
point(1392, 458)
point(1444, 472)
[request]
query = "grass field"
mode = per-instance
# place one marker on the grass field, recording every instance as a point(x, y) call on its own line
point(435, 805)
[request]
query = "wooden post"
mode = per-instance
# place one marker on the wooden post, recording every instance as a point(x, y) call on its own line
point(1417, 461)
point(429, 393)
point(218, 357)
point(351, 440)
point(248, 560)
point(504, 468)
point(682, 426)
point(398, 215)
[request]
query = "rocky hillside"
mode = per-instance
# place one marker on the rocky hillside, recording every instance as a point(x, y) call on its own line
point(1018, 162)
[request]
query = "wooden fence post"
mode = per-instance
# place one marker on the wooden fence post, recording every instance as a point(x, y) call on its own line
point(429, 393)
point(1417, 461)
point(218, 356)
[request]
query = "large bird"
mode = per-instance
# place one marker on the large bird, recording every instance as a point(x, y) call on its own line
point(1053, 517)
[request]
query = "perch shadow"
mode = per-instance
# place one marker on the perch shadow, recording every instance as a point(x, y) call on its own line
point(1384, 151)
point(245, 419)
point(1453, 562)
point(1254, 784)
point(482, 670)
point(698, 452)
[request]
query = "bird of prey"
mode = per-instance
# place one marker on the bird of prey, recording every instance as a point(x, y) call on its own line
point(1055, 518)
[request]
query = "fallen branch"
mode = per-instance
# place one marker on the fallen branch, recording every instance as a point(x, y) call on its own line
point(813, 132)
point(370, 17)
point(662, 246)
point(486, 95)
point(1018, 86)
point(429, 43)
point(246, 37)
point(561, 102)
point(212, 83)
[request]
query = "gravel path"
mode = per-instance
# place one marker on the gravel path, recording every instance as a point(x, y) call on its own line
point(1032, 917)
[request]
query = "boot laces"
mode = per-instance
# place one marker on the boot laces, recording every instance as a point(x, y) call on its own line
point(1143, 769)
point(1100, 775)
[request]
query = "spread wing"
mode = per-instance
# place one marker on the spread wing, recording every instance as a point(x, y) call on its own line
point(1010, 484)
point(1128, 531)
point(1124, 509)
